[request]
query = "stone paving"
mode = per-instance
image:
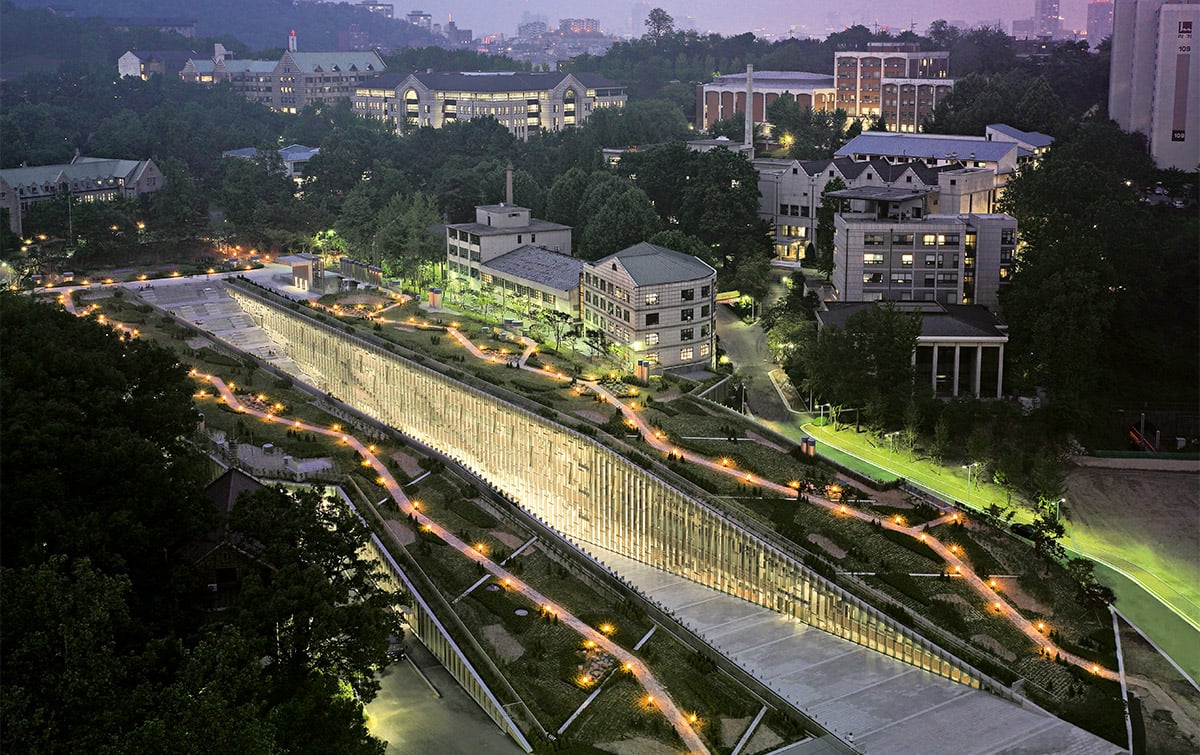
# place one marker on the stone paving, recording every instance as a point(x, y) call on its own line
point(878, 704)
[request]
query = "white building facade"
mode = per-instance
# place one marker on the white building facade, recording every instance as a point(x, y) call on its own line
point(1154, 82)
point(656, 305)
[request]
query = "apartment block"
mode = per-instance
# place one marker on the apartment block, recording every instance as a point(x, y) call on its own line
point(899, 82)
point(1154, 82)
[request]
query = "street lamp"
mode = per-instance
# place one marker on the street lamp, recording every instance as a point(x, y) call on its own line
point(891, 438)
point(969, 467)
point(1057, 506)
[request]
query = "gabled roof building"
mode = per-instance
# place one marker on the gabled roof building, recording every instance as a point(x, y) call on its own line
point(87, 179)
point(657, 306)
point(525, 103)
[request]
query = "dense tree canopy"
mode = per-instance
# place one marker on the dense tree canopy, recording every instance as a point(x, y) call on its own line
point(106, 643)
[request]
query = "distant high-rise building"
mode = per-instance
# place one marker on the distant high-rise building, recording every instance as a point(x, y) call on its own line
point(383, 9)
point(579, 26)
point(1154, 82)
point(1023, 28)
point(455, 35)
point(531, 29)
point(420, 19)
point(1047, 21)
point(1099, 22)
point(637, 19)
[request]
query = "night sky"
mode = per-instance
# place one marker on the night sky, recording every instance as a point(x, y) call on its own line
point(774, 17)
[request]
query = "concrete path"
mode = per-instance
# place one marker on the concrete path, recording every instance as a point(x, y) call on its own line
point(631, 664)
point(878, 704)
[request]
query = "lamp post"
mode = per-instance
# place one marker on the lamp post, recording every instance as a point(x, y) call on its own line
point(1057, 507)
point(891, 438)
point(969, 467)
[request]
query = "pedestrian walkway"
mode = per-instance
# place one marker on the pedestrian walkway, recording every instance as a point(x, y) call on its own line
point(657, 697)
point(879, 704)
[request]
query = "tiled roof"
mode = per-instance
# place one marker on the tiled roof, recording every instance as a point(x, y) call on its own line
point(652, 265)
point(1032, 138)
point(534, 263)
point(83, 169)
point(927, 146)
point(250, 66)
point(363, 62)
point(503, 81)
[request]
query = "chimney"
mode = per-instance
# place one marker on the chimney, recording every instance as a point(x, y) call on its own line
point(750, 107)
point(508, 185)
point(292, 41)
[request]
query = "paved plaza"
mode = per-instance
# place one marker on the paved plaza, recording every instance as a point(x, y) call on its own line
point(886, 706)
point(204, 303)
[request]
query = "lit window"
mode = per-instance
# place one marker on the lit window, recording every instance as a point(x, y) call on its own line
point(652, 299)
point(651, 339)
point(906, 260)
point(686, 354)
point(872, 259)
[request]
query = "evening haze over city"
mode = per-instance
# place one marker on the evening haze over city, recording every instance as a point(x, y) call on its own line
point(566, 378)
point(775, 18)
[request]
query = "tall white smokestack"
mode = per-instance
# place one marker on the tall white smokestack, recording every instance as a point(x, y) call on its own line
point(750, 107)
point(292, 41)
point(508, 186)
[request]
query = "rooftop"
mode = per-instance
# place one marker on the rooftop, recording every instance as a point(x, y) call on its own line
point(491, 81)
point(652, 265)
point(82, 168)
point(483, 229)
point(534, 263)
point(1035, 139)
point(880, 193)
point(938, 321)
point(777, 79)
point(927, 146)
point(313, 62)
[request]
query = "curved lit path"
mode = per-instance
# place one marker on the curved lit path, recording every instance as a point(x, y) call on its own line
point(658, 696)
point(995, 602)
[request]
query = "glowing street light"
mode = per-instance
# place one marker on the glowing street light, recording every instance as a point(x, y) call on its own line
point(969, 467)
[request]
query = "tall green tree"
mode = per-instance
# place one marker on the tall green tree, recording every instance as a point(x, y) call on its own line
point(625, 219)
point(830, 207)
point(405, 243)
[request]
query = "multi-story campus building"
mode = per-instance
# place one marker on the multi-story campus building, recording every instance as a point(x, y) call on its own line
point(960, 349)
point(658, 306)
point(953, 174)
point(87, 179)
point(886, 248)
point(899, 82)
point(524, 261)
point(726, 95)
point(525, 103)
point(1154, 84)
point(296, 80)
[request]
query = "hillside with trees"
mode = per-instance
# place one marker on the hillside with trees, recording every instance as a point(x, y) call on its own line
point(257, 24)
point(108, 643)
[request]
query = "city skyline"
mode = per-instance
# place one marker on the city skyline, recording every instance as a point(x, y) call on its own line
point(768, 17)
